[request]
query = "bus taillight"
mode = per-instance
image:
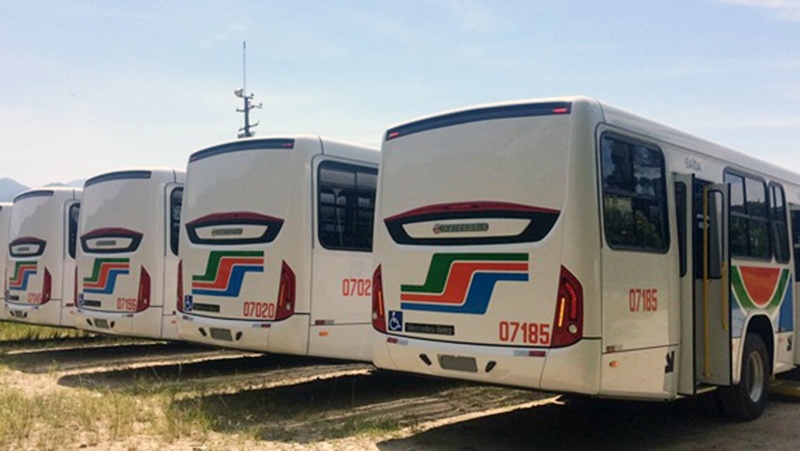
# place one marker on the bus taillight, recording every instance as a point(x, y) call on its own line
point(286, 293)
point(378, 312)
point(179, 301)
point(143, 299)
point(47, 287)
point(568, 321)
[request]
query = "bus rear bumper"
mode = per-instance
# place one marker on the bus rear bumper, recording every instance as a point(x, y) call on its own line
point(289, 336)
point(572, 369)
point(146, 324)
point(49, 314)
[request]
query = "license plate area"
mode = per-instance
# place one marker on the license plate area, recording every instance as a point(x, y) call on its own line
point(221, 334)
point(458, 363)
point(101, 323)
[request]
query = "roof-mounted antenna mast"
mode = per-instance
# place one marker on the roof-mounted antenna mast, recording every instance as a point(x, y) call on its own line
point(246, 131)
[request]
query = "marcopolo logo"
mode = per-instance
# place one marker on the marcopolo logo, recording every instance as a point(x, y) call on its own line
point(463, 283)
point(104, 275)
point(471, 227)
point(22, 272)
point(225, 272)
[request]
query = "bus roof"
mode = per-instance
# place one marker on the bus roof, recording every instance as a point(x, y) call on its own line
point(63, 191)
point(329, 146)
point(605, 113)
point(165, 174)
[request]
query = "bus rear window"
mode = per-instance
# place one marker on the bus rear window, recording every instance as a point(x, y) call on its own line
point(634, 201)
point(346, 206)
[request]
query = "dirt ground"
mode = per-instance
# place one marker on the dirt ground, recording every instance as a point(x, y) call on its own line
point(409, 412)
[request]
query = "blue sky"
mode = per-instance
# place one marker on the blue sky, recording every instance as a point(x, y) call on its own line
point(92, 86)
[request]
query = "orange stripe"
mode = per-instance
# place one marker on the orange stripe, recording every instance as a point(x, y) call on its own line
point(760, 283)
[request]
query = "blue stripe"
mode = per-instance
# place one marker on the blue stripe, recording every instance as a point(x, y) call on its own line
point(25, 276)
point(110, 282)
point(234, 283)
point(478, 296)
point(786, 321)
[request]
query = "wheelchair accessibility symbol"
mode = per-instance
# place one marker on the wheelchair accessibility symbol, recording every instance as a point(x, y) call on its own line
point(395, 321)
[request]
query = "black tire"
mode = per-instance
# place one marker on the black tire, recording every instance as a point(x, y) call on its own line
point(746, 400)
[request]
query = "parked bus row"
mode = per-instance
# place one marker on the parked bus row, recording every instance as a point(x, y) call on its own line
point(556, 244)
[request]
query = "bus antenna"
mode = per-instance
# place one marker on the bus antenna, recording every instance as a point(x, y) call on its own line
point(246, 131)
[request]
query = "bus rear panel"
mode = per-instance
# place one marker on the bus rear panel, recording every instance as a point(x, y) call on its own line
point(41, 257)
point(127, 263)
point(473, 232)
point(249, 249)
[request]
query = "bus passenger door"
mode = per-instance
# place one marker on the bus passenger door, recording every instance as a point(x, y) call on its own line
point(705, 351)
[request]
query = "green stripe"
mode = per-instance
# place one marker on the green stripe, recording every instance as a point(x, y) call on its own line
point(96, 269)
point(440, 268)
point(738, 287)
point(778, 296)
point(214, 259)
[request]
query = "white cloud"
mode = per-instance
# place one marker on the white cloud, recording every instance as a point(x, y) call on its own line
point(788, 10)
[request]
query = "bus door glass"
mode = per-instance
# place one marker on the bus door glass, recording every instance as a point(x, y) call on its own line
point(712, 325)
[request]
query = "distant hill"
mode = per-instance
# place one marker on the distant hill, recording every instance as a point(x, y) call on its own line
point(10, 188)
point(72, 184)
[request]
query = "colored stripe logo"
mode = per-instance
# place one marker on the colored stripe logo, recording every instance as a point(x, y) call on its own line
point(22, 272)
point(104, 275)
point(757, 287)
point(463, 283)
point(225, 272)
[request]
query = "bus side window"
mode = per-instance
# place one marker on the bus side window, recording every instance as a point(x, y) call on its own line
point(634, 195)
point(72, 229)
point(175, 203)
point(779, 227)
point(346, 206)
point(749, 219)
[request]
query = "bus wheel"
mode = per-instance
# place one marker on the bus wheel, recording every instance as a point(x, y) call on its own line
point(746, 400)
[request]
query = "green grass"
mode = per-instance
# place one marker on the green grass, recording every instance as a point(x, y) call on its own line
point(18, 332)
point(80, 417)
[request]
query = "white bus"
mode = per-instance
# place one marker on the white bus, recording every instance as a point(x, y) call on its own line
point(5, 220)
point(569, 246)
point(40, 269)
point(128, 253)
point(260, 217)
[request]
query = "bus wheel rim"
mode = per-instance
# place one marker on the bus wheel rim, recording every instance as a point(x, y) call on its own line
point(755, 376)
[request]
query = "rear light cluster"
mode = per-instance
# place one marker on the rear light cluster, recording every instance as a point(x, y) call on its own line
point(143, 299)
point(47, 287)
point(286, 293)
point(378, 311)
point(568, 321)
